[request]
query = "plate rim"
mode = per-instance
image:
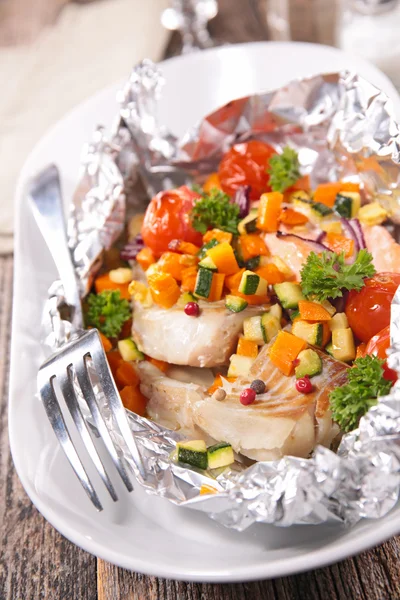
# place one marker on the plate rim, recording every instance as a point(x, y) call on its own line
point(280, 567)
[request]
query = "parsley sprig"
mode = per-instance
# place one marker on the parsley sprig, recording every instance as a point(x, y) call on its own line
point(108, 312)
point(215, 209)
point(284, 169)
point(365, 384)
point(326, 275)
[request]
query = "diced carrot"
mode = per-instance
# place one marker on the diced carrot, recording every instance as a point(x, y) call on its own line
point(339, 243)
point(133, 399)
point(326, 193)
point(251, 245)
point(303, 183)
point(103, 283)
point(285, 350)
point(126, 330)
point(189, 277)
point(211, 183)
point(218, 382)
point(107, 345)
point(289, 216)
point(145, 258)
point(326, 334)
point(312, 311)
point(253, 299)
point(217, 285)
point(183, 247)
point(188, 260)
point(361, 350)
point(232, 282)
point(217, 234)
point(160, 364)
point(164, 289)
point(271, 273)
point(224, 258)
point(169, 262)
point(247, 348)
point(349, 186)
point(126, 375)
point(114, 359)
point(269, 210)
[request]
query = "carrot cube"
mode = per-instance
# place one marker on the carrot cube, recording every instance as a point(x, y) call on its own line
point(269, 210)
point(312, 311)
point(285, 350)
point(252, 245)
point(224, 258)
point(217, 285)
point(247, 348)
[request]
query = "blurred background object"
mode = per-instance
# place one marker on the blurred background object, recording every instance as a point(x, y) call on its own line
point(302, 20)
point(190, 18)
point(53, 55)
point(371, 28)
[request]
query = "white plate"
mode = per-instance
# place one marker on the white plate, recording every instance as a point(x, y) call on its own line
point(140, 532)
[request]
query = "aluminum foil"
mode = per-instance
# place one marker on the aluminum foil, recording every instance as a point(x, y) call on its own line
point(342, 127)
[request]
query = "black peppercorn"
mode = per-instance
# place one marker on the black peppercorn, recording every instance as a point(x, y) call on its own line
point(258, 386)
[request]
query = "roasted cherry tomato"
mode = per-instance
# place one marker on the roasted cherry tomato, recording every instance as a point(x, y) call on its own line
point(168, 218)
point(246, 164)
point(368, 311)
point(377, 346)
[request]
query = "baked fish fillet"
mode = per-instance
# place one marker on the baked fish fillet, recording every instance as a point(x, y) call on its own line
point(280, 422)
point(204, 341)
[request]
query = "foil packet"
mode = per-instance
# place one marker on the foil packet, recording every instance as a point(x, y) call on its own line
point(342, 127)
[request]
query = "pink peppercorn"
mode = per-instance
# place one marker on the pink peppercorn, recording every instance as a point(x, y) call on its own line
point(304, 385)
point(192, 309)
point(247, 396)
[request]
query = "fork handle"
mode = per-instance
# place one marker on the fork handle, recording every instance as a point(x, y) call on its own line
point(45, 193)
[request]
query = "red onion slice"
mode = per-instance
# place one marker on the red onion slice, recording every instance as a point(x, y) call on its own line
point(242, 199)
point(358, 230)
point(350, 233)
point(132, 249)
point(315, 245)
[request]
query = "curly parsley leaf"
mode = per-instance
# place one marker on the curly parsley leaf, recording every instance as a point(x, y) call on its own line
point(215, 209)
point(284, 169)
point(326, 275)
point(108, 312)
point(365, 384)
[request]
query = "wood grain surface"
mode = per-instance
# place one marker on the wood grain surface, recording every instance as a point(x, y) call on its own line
point(36, 562)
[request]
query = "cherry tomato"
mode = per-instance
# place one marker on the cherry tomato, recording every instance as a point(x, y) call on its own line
point(246, 164)
point(168, 218)
point(377, 346)
point(368, 311)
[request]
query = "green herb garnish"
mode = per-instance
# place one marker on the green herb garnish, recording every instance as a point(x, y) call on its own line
point(215, 209)
point(352, 400)
point(327, 275)
point(108, 312)
point(284, 169)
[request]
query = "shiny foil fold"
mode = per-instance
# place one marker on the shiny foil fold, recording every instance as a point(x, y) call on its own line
point(342, 127)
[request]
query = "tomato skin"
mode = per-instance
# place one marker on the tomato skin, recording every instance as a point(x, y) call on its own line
point(168, 218)
point(368, 311)
point(246, 164)
point(377, 346)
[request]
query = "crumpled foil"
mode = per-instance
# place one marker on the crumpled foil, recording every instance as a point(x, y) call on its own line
point(97, 215)
point(342, 127)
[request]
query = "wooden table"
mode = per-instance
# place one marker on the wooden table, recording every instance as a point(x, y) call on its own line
point(36, 562)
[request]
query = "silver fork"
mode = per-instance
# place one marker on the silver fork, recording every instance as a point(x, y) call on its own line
point(72, 365)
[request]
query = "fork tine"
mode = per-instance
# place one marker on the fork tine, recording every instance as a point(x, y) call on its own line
point(65, 379)
point(109, 388)
point(89, 395)
point(54, 414)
